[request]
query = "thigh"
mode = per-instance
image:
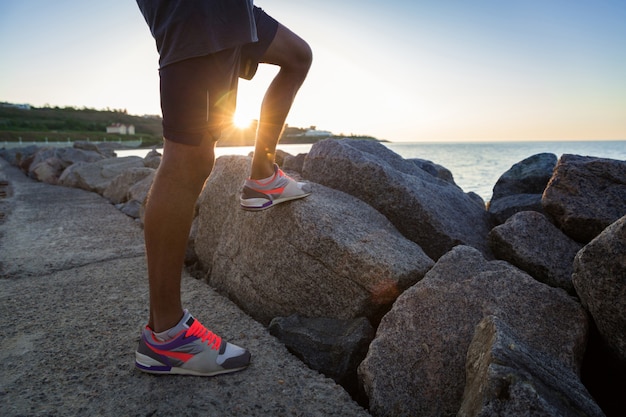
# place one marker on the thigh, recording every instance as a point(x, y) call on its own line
point(287, 49)
point(251, 53)
point(198, 97)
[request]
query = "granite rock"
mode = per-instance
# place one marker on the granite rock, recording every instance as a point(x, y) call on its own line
point(529, 241)
point(505, 377)
point(434, 169)
point(529, 176)
point(137, 197)
point(416, 363)
point(585, 195)
point(521, 187)
point(106, 149)
point(47, 164)
point(294, 163)
point(328, 255)
point(18, 156)
point(118, 190)
point(600, 281)
point(98, 175)
point(152, 159)
point(333, 347)
point(432, 212)
point(505, 207)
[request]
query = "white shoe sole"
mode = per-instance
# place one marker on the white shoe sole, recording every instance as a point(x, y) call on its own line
point(258, 204)
point(143, 362)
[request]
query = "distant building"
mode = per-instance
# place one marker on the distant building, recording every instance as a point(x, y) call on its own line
point(317, 133)
point(16, 106)
point(121, 129)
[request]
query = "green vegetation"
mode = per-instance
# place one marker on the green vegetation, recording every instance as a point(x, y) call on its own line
point(61, 124)
point(58, 124)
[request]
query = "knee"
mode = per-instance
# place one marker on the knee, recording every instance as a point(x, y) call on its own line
point(305, 57)
point(186, 164)
point(302, 58)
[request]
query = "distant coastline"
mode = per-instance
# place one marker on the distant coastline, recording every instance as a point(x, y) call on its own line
point(61, 126)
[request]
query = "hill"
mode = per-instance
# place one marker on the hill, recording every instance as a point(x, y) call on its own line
point(32, 124)
point(55, 123)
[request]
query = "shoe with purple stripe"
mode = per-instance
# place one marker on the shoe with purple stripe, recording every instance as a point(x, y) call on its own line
point(195, 350)
point(263, 194)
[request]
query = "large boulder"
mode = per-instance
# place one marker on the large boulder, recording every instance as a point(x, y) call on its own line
point(152, 159)
point(17, 156)
point(118, 190)
point(333, 347)
point(505, 207)
point(505, 377)
point(140, 190)
point(47, 171)
point(434, 169)
point(529, 241)
point(416, 363)
point(97, 176)
point(520, 188)
point(137, 196)
point(600, 281)
point(294, 163)
point(106, 149)
point(48, 163)
point(586, 194)
point(529, 176)
point(328, 255)
point(428, 210)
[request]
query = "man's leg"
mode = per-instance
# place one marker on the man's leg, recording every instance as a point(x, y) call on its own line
point(197, 99)
point(293, 55)
point(167, 222)
point(174, 341)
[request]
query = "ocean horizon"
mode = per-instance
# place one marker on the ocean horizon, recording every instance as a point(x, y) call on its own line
point(475, 166)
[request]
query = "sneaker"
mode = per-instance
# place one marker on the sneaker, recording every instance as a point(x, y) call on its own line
point(193, 351)
point(263, 194)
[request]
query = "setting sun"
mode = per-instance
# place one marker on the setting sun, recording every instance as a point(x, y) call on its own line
point(241, 121)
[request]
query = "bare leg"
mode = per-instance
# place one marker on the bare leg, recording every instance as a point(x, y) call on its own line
point(168, 217)
point(294, 57)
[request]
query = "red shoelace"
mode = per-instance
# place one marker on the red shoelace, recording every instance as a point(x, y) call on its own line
point(204, 334)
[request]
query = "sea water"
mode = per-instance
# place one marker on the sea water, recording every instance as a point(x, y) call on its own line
point(475, 166)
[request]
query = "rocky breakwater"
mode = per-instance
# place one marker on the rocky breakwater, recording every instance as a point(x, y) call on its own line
point(411, 293)
point(92, 167)
point(474, 336)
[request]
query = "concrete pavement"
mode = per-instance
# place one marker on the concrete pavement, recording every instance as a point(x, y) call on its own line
point(73, 298)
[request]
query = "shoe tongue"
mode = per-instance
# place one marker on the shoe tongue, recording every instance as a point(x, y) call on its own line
point(184, 324)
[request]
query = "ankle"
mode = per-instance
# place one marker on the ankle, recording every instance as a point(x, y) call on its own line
point(262, 171)
point(162, 323)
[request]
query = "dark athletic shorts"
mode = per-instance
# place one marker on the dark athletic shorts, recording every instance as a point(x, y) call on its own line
point(199, 95)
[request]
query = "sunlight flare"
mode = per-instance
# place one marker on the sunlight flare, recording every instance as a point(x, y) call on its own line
point(241, 121)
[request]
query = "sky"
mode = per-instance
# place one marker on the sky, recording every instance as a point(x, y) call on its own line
point(418, 70)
